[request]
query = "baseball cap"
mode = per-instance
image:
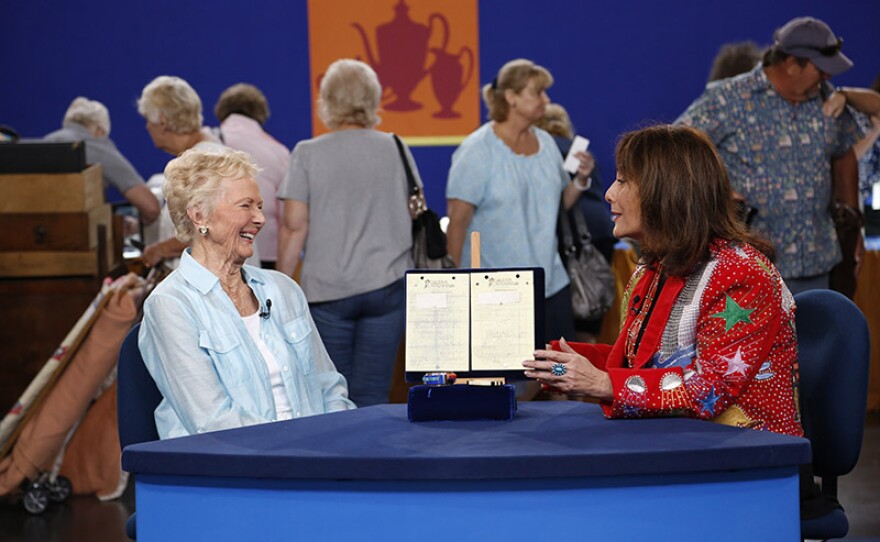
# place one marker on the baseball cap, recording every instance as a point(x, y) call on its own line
point(806, 37)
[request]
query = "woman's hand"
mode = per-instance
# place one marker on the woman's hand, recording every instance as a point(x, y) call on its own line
point(579, 377)
point(586, 167)
point(834, 105)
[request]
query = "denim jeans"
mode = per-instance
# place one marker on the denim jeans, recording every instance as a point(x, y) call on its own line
point(362, 334)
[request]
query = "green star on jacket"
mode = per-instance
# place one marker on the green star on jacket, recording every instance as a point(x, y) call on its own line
point(733, 314)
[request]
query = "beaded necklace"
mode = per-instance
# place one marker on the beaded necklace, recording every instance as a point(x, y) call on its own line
point(643, 312)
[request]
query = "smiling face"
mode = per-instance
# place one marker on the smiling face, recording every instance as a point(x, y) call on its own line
point(623, 195)
point(234, 222)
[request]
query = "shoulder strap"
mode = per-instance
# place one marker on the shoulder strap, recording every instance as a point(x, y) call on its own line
point(565, 230)
point(410, 178)
point(580, 223)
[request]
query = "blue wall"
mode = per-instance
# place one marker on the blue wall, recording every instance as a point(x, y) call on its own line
point(618, 64)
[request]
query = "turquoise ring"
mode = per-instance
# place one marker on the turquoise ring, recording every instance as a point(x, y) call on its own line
point(558, 369)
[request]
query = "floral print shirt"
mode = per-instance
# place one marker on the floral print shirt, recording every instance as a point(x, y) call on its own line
point(778, 155)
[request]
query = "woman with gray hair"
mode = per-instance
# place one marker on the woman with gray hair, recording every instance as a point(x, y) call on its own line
point(242, 110)
point(345, 209)
point(173, 111)
point(229, 344)
point(89, 121)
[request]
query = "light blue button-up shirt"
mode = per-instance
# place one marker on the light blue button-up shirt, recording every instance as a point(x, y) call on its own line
point(209, 370)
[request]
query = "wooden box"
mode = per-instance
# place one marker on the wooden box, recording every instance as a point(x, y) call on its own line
point(56, 244)
point(52, 192)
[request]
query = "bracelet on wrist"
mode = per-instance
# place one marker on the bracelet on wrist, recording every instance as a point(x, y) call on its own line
point(582, 187)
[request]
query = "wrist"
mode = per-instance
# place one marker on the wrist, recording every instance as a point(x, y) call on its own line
point(583, 187)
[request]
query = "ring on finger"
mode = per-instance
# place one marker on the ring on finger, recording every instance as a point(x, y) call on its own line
point(558, 369)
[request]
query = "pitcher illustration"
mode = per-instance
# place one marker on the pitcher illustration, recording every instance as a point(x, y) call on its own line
point(446, 79)
point(402, 45)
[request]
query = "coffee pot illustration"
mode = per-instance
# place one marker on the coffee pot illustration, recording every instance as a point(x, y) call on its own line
point(402, 45)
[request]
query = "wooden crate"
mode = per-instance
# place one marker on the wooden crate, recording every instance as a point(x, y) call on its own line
point(52, 192)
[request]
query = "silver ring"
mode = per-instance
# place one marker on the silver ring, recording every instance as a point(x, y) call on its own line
point(558, 369)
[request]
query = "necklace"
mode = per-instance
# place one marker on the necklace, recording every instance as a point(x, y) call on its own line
point(637, 327)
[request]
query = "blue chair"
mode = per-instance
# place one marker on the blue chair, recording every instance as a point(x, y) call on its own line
point(136, 399)
point(834, 355)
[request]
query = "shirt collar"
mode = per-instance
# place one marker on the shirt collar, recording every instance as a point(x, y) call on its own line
point(202, 279)
point(78, 130)
point(195, 273)
point(239, 120)
point(761, 82)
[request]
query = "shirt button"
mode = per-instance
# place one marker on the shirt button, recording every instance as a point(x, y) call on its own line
point(286, 368)
point(298, 414)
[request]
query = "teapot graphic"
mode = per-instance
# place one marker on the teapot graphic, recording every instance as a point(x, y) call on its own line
point(402, 45)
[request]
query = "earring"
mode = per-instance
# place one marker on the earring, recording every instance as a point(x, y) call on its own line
point(203, 230)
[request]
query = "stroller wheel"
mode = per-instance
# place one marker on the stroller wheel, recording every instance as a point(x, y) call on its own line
point(60, 489)
point(36, 499)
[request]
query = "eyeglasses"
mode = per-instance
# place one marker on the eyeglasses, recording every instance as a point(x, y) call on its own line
point(830, 50)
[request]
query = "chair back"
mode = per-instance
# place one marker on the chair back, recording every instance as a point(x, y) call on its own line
point(137, 395)
point(834, 356)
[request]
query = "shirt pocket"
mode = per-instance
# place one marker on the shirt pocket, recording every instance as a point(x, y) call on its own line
point(226, 353)
point(297, 335)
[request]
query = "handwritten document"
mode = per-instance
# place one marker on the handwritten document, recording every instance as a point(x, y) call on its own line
point(502, 319)
point(437, 322)
point(482, 320)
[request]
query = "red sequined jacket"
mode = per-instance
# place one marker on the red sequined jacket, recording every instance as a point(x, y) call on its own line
point(720, 344)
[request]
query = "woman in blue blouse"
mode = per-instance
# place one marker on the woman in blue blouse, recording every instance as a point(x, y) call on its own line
point(505, 182)
point(229, 344)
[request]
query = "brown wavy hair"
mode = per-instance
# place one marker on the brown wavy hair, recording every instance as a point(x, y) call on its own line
point(685, 196)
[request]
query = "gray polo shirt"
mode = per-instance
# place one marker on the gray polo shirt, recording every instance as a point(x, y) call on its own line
point(117, 170)
point(360, 231)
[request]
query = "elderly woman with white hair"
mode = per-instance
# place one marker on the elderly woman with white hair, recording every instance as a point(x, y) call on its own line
point(89, 121)
point(345, 206)
point(173, 111)
point(229, 344)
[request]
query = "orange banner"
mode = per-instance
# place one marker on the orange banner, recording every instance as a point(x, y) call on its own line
point(425, 53)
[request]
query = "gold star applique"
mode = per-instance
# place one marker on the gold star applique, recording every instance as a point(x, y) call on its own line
point(733, 314)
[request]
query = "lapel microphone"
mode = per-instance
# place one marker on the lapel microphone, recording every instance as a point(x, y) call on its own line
point(265, 314)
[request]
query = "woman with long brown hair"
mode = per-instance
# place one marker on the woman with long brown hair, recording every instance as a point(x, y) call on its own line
point(709, 324)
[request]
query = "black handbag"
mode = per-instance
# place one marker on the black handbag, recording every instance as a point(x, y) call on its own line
point(592, 282)
point(429, 241)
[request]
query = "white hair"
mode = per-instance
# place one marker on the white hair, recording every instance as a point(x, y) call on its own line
point(88, 113)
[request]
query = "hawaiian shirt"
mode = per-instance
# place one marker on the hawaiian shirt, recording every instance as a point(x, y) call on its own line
point(778, 155)
point(869, 163)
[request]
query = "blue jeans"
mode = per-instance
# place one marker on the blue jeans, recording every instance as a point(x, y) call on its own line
point(362, 334)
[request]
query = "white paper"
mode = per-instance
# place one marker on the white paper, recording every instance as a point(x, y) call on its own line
point(437, 322)
point(571, 163)
point(502, 319)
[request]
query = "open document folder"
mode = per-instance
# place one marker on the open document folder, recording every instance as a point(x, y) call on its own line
point(473, 322)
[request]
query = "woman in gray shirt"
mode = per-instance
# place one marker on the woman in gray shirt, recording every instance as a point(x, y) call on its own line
point(345, 212)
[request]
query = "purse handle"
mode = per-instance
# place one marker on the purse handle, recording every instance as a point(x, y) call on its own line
point(414, 188)
point(583, 232)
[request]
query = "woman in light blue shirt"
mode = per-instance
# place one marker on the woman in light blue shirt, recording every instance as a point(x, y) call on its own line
point(229, 344)
point(506, 181)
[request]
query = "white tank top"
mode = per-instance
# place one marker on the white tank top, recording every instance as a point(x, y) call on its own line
point(279, 394)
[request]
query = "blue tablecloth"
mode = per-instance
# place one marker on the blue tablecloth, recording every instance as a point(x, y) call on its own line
point(557, 439)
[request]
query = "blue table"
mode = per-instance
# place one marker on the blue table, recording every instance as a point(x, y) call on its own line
point(558, 471)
